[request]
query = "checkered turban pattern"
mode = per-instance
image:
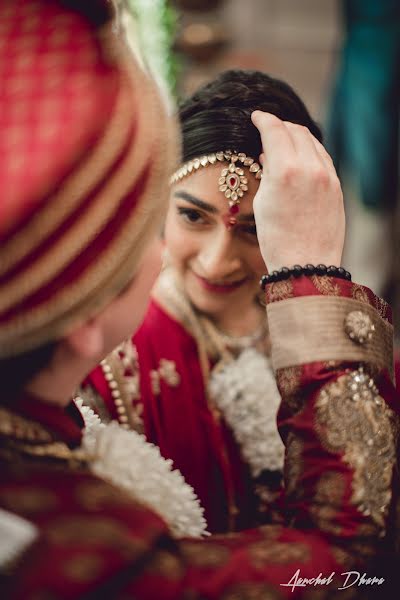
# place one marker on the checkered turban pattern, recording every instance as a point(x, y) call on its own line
point(85, 153)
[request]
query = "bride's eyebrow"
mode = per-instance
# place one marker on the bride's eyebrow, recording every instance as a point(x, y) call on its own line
point(248, 217)
point(196, 201)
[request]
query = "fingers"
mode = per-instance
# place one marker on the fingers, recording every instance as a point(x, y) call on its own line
point(288, 140)
point(310, 151)
point(276, 140)
point(323, 154)
point(304, 143)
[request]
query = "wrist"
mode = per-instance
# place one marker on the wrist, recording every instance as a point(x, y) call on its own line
point(308, 270)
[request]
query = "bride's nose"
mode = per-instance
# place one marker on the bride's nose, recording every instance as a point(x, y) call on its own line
point(219, 256)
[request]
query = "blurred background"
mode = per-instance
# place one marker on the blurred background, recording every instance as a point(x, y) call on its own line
point(292, 40)
point(341, 56)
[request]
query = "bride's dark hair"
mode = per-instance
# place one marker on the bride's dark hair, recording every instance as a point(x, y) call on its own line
point(217, 116)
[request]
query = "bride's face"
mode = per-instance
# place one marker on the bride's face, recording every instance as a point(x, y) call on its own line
point(219, 266)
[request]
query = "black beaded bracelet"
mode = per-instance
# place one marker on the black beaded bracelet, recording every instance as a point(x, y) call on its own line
point(308, 270)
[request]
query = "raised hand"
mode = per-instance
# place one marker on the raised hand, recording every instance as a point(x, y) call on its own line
point(299, 205)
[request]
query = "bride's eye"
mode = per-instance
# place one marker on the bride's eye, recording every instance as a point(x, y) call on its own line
point(190, 215)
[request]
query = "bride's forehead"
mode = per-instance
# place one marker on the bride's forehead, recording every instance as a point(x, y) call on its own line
point(204, 185)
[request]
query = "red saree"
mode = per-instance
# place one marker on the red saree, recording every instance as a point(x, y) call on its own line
point(178, 416)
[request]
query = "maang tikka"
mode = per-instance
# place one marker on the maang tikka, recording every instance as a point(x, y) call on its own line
point(232, 181)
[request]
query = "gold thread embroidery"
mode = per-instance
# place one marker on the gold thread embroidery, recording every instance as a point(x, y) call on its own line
point(345, 559)
point(14, 425)
point(330, 365)
point(382, 307)
point(293, 464)
point(22, 436)
point(166, 372)
point(270, 532)
point(353, 420)
point(56, 450)
point(98, 495)
point(329, 493)
point(288, 380)
point(83, 568)
point(251, 591)
point(282, 553)
point(325, 285)
point(165, 564)
point(32, 500)
point(279, 290)
point(155, 382)
point(207, 554)
point(66, 530)
point(359, 293)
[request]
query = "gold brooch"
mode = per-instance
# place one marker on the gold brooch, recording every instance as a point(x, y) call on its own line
point(359, 327)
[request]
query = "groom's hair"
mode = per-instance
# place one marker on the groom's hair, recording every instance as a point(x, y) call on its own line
point(217, 116)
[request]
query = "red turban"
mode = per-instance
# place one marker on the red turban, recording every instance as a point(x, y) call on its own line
point(83, 167)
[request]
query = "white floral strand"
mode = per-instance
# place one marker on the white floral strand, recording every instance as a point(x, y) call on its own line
point(125, 459)
point(245, 391)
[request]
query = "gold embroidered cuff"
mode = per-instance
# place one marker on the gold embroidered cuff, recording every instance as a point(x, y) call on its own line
point(321, 328)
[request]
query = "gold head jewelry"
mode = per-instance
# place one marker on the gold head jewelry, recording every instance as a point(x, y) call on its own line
point(232, 181)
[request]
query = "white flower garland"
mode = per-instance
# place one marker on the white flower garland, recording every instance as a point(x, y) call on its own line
point(125, 459)
point(246, 393)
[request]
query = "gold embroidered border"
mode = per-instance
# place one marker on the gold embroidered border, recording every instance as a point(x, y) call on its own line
point(311, 329)
point(328, 501)
point(13, 425)
point(294, 465)
point(251, 591)
point(326, 286)
point(128, 408)
point(351, 419)
point(279, 553)
point(205, 555)
point(289, 380)
point(53, 450)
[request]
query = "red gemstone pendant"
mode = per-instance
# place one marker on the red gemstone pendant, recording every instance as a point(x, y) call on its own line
point(233, 181)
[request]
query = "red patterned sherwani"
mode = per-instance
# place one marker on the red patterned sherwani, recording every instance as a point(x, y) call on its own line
point(331, 347)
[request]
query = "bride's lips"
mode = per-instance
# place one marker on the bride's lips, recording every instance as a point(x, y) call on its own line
point(220, 288)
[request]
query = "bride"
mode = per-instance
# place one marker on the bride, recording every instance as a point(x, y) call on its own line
point(203, 389)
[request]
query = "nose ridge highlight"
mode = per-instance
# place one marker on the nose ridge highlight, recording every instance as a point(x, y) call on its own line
point(218, 259)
